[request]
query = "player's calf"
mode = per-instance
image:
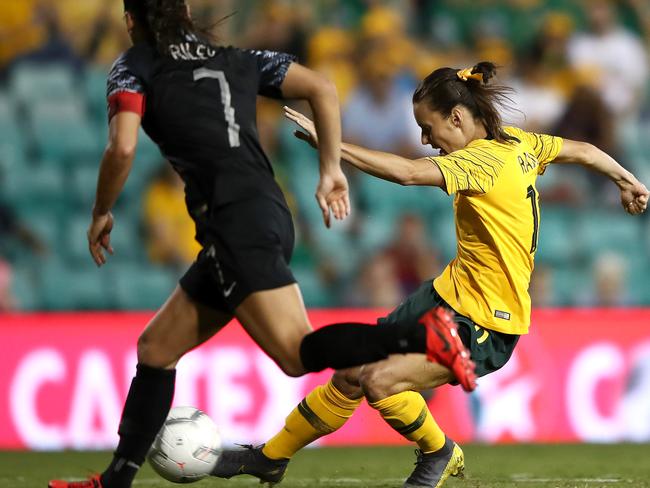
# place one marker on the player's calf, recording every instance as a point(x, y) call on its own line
point(346, 345)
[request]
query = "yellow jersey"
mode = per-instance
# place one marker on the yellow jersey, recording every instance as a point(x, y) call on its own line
point(496, 210)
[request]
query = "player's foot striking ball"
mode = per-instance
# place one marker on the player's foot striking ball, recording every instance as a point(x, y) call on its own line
point(432, 469)
point(250, 460)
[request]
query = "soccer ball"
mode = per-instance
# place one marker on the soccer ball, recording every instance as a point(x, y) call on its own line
point(187, 447)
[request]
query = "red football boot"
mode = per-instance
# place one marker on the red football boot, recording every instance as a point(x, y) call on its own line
point(445, 347)
point(92, 482)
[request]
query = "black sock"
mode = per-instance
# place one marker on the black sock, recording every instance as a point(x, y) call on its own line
point(346, 345)
point(120, 473)
point(146, 408)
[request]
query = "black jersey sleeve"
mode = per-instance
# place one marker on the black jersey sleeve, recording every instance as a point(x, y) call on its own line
point(272, 67)
point(124, 89)
point(122, 79)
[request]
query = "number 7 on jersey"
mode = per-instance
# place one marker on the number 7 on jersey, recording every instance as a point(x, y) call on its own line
point(226, 100)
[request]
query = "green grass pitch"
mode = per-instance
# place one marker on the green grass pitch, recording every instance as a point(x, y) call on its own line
point(503, 466)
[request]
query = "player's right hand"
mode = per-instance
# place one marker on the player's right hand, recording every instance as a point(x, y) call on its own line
point(332, 194)
point(99, 237)
point(634, 198)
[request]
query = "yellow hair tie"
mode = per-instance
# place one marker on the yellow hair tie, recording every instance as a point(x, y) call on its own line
point(465, 74)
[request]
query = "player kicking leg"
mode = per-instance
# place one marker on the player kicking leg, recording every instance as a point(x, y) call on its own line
point(183, 323)
point(388, 386)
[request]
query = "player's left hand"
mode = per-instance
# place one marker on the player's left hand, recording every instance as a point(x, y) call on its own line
point(332, 194)
point(634, 198)
point(309, 134)
point(99, 237)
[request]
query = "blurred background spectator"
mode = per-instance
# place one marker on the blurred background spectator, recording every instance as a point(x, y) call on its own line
point(378, 285)
point(609, 281)
point(414, 256)
point(7, 300)
point(169, 230)
point(579, 69)
point(598, 50)
point(13, 233)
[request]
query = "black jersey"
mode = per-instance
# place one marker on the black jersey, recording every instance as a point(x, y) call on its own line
point(199, 106)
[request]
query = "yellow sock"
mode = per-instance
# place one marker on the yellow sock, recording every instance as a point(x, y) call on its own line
point(322, 412)
point(408, 414)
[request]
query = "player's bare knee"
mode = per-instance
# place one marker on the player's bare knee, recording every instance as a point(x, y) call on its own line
point(376, 382)
point(293, 370)
point(290, 364)
point(153, 353)
point(347, 382)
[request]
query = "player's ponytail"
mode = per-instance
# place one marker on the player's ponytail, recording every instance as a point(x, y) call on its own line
point(445, 88)
point(169, 22)
point(165, 22)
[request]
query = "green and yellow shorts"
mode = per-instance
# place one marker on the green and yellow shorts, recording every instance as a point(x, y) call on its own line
point(489, 349)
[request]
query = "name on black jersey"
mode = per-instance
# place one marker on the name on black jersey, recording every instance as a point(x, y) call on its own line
point(527, 162)
point(191, 51)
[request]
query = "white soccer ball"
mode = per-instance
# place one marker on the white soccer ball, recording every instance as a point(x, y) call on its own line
point(187, 447)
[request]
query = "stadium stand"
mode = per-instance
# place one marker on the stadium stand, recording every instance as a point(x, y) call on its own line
point(53, 129)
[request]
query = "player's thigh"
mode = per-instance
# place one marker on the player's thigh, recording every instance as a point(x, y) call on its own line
point(277, 321)
point(401, 372)
point(180, 325)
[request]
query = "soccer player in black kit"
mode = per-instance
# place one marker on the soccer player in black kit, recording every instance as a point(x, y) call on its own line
point(197, 102)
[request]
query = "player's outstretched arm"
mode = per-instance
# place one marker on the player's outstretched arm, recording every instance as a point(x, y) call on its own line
point(113, 172)
point(634, 194)
point(387, 166)
point(320, 92)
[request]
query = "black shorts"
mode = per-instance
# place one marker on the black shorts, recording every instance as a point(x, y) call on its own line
point(247, 248)
point(489, 349)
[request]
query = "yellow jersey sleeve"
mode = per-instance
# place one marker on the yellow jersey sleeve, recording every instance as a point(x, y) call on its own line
point(472, 170)
point(544, 147)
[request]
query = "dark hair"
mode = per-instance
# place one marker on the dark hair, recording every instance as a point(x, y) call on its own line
point(164, 22)
point(443, 89)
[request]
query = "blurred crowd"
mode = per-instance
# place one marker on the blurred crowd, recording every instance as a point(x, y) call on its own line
point(580, 69)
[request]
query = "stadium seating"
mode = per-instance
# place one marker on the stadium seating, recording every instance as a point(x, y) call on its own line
point(140, 287)
point(30, 187)
point(313, 290)
point(62, 131)
point(556, 245)
point(32, 84)
point(52, 133)
point(25, 289)
point(68, 288)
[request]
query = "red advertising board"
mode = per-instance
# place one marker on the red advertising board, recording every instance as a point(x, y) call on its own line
point(581, 375)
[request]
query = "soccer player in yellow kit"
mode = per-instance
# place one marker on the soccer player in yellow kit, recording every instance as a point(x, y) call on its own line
point(491, 170)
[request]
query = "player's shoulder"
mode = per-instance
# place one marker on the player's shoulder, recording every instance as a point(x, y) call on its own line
point(516, 132)
point(517, 138)
point(237, 53)
point(534, 140)
point(131, 70)
point(135, 59)
point(237, 59)
point(267, 60)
